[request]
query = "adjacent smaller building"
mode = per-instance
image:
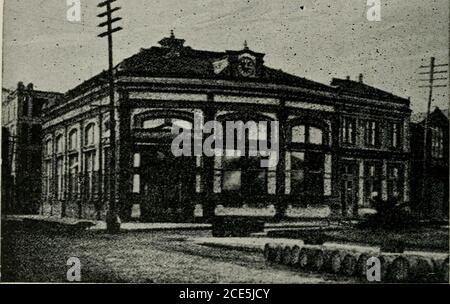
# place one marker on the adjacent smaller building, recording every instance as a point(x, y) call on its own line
point(429, 185)
point(22, 137)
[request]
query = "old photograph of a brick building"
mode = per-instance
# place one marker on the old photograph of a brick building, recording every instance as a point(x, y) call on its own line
point(213, 141)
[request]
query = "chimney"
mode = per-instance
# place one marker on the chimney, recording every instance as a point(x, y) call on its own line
point(347, 77)
point(361, 77)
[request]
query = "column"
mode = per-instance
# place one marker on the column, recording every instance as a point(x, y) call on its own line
point(360, 186)
point(281, 166)
point(406, 189)
point(124, 159)
point(209, 202)
point(384, 190)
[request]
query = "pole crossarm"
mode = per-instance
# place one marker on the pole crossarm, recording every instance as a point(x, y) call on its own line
point(108, 22)
point(109, 12)
point(105, 3)
point(109, 32)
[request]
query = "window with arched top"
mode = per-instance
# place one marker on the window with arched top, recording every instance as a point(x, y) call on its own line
point(166, 123)
point(89, 135)
point(59, 144)
point(73, 140)
point(49, 147)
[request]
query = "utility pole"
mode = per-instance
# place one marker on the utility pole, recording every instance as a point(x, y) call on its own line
point(431, 84)
point(112, 217)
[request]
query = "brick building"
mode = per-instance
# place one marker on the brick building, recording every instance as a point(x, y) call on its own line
point(22, 125)
point(339, 143)
point(432, 203)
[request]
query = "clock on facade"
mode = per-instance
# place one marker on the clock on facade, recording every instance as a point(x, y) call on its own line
point(246, 67)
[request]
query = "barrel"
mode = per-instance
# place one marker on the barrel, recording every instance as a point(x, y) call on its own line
point(411, 269)
point(269, 252)
point(278, 254)
point(361, 264)
point(286, 255)
point(303, 258)
point(295, 255)
point(348, 265)
point(442, 271)
point(317, 259)
point(385, 265)
point(336, 260)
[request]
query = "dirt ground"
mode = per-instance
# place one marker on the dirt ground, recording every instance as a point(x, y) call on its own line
point(33, 255)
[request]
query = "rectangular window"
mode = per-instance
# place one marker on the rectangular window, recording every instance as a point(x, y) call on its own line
point(73, 176)
point(136, 183)
point(255, 177)
point(47, 178)
point(395, 135)
point(60, 178)
point(89, 173)
point(372, 179)
point(348, 131)
point(437, 143)
point(297, 172)
point(299, 134)
point(372, 133)
point(232, 180)
point(395, 182)
point(231, 173)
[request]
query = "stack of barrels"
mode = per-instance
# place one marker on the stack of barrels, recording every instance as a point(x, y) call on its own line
point(354, 263)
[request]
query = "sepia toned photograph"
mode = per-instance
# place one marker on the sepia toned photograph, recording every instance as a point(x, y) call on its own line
point(225, 142)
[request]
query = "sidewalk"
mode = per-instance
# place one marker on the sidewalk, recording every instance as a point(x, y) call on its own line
point(134, 226)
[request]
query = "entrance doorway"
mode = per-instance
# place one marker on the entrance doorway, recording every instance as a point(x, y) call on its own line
point(167, 186)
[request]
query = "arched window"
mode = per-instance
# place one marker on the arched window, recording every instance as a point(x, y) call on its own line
point(166, 123)
point(25, 105)
point(153, 123)
point(89, 136)
point(49, 147)
point(73, 140)
point(59, 144)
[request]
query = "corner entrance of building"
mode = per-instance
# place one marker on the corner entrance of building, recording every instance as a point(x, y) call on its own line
point(167, 186)
point(349, 188)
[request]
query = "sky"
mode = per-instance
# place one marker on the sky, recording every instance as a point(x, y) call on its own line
point(316, 39)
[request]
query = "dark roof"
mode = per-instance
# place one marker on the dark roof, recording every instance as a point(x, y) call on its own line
point(360, 89)
point(173, 59)
point(418, 118)
point(186, 62)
